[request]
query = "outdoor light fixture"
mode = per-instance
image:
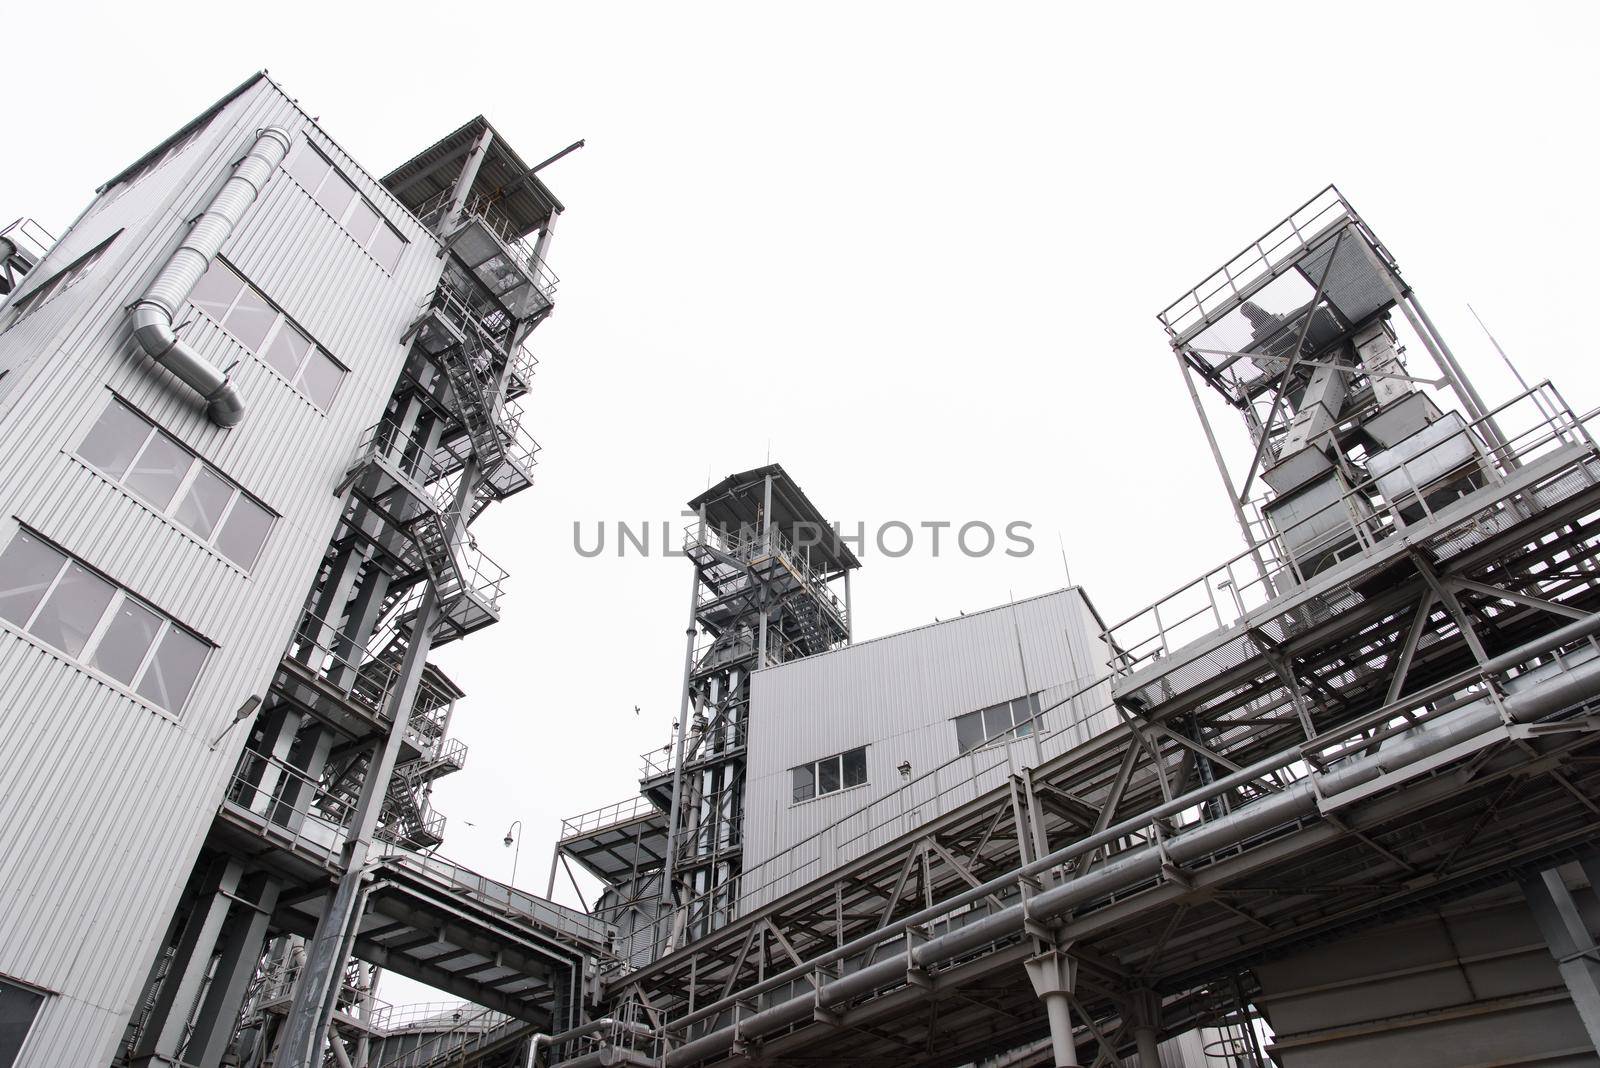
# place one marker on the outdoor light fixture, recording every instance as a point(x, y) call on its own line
point(513, 839)
point(905, 769)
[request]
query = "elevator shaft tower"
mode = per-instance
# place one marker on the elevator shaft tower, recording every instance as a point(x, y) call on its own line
point(766, 567)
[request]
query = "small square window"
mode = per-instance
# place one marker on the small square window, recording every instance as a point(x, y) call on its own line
point(362, 221)
point(996, 720)
point(308, 167)
point(805, 782)
point(172, 671)
point(114, 440)
point(828, 775)
point(287, 351)
point(126, 641)
point(386, 246)
point(320, 379)
point(159, 470)
point(73, 609)
point(969, 731)
point(336, 195)
point(204, 502)
point(27, 568)
point(216, 291)
point(244, 532)
point(250, 319)
point(855, 767)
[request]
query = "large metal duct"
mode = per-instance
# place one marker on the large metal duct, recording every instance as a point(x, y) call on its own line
point(154, 312)
point(1577, 684)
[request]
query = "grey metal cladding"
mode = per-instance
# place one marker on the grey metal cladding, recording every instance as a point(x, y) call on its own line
point(132, 773)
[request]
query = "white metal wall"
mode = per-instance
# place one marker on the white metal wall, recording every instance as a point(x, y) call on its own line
point(104, 800)
point(898, 696)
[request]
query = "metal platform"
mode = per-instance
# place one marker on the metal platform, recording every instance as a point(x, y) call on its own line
point(1299, 756)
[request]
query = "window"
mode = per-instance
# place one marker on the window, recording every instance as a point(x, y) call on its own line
point(66, 605)
point(349, 208)
point(18, 1007)
point(1014, 718)
point(63, 281)
point(241, 309)
point(129, 449)
point(830, 775)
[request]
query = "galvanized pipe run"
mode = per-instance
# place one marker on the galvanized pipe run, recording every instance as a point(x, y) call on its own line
point(153, 313)
point(1300, 799)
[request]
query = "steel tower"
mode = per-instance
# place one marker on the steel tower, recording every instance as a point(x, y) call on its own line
point(765, 564)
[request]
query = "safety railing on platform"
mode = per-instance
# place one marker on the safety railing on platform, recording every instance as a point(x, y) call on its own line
point(283, 799)
point(319, 648)
point(496, 222)
point(752, 545)
point(501, 897)
point(1245, 582)
point(1163, 824)
point(1268, 256)
point(606, 816)
point(429, 1015)
point(387, 445)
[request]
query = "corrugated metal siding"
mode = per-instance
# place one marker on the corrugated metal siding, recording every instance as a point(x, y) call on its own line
point(104, 801)
point(897, 696)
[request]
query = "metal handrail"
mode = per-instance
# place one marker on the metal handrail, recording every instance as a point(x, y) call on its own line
point(498, 224)
point(1250, 577)
point(503, 896)
point(386, 440)
point(606, 816)
point(1163, 821)
point(296, 820)
point(753, 545)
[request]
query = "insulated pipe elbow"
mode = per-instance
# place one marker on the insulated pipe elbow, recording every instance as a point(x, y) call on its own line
point(153, 312)
point(152, 328)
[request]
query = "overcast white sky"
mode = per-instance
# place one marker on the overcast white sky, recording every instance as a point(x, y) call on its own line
point(914, 250)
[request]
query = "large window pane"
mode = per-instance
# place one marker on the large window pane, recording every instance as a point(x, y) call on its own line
point(114, 440)
point(172, 671)
point(204, 502)
point(308, 167)
point(336, 195)
point(215, 291)
point(828, 775)
point(245, 531)
point(159, 470)
point(126, 640)
point(250, 319)
point(27, 567)
point(320, 379)
point(68, 616)
point(287, 351)
point(969, 731)
point(385, 247)
point(17, 1010)
point(805, 783)
point(362, 221)
point(855, 767)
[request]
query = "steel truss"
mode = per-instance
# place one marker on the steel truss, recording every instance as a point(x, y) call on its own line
point(1175, 826)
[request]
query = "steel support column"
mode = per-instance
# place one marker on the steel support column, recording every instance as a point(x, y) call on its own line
point(1054, 974)
point(1571, 944)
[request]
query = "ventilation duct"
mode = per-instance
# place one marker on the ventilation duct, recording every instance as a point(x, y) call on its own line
point(154, 312)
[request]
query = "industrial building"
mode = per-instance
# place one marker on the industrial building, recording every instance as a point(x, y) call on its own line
point(1332, 801)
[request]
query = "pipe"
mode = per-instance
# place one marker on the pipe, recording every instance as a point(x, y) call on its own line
point(154, 312)
point(541, 1039)
point(1572, 632)
point(1300, 799)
